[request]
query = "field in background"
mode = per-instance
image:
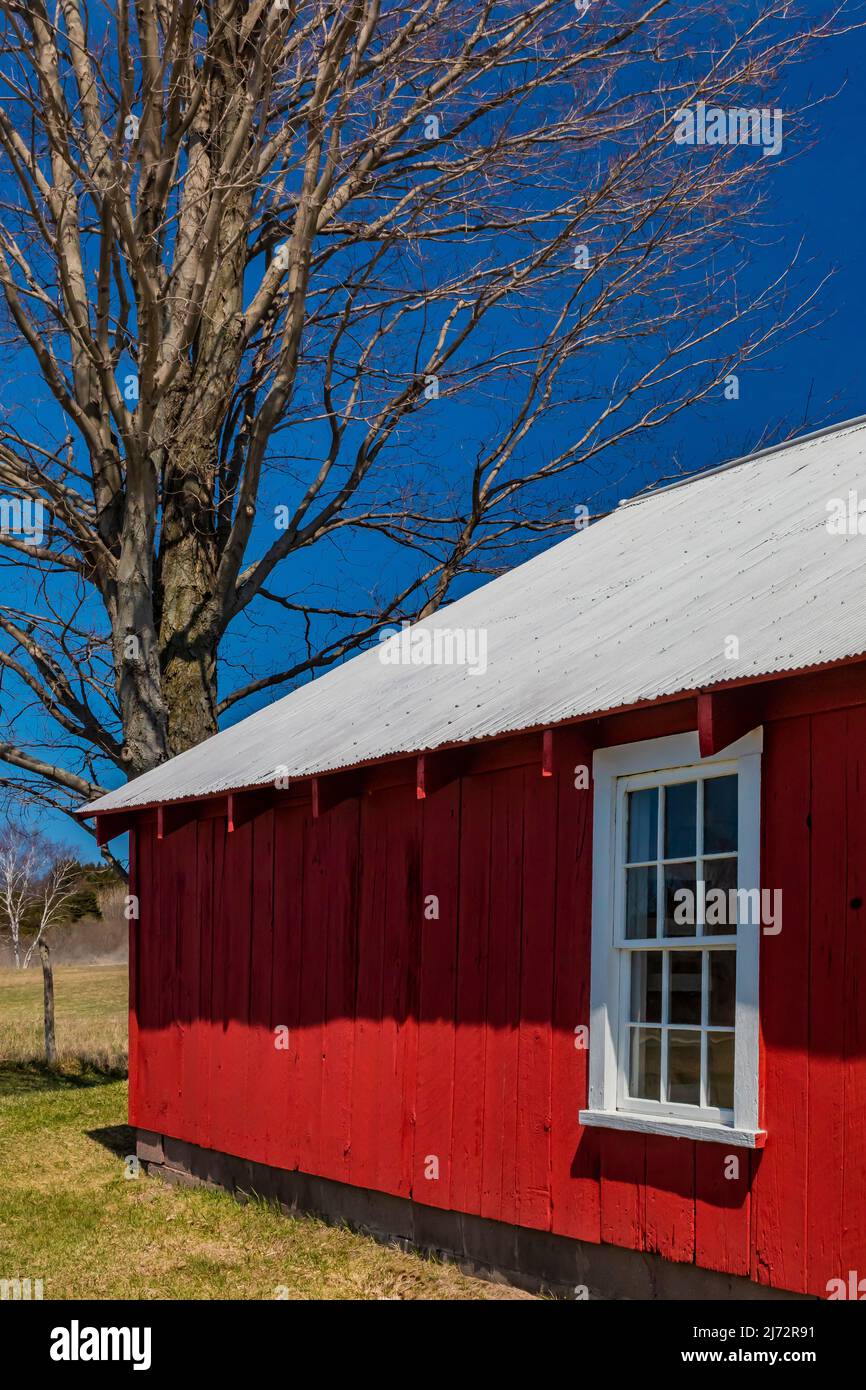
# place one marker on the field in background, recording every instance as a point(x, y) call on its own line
point(70, 1215)
point(87, 942)
point(90, 1014)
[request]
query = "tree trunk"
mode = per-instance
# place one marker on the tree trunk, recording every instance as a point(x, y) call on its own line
point(189, 689)
point(136, 646)
point(187, 638)
point(48, 995)
point(191, 533)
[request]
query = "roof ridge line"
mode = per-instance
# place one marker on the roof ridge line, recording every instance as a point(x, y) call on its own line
point(744, 458)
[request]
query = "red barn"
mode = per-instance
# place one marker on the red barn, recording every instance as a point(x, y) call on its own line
point(537, 934)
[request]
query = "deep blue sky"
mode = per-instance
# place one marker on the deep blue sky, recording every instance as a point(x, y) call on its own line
point(818, 199)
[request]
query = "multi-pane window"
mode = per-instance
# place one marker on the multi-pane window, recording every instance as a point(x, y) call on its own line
point(676, 903)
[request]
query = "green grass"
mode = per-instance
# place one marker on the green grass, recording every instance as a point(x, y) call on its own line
point(71, 1217)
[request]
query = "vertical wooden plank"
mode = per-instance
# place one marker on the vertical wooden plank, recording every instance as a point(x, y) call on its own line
point(340, 927)
point(221, 926)
point(470, 1033)
point(400, 818)
point(670, 1197)
point(180, 908)
point(373, 898)
point(197, 1079)
point(780, 1181)
point(147, 975)
point(440, 861)
point(825, 1131)
point(133, 937)
point(169, 859)
point(623, 1189)
point(575, 1152)
point(722, 1182)
point(156, 1012)
point(410, 984)
point(311, 1015)
point(853, 1211)
point(237, 884)
point(265, 1063)
point(165, 960)
point(534, 1104)
point(289, 844)
point(500, 1019)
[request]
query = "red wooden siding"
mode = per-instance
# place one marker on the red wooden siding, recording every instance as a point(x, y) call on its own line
point(434, 1107)
point(435, 1054)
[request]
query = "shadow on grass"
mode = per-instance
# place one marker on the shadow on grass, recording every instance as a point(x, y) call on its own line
point(118, 1139)
point(18, 1078)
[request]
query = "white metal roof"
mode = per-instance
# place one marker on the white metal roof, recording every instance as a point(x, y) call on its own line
point(638, 605)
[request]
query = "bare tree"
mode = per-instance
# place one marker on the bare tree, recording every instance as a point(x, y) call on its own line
point(37, 881)
point(19, 858)
point(52, 898)
point(268, 258)
point(55, 890)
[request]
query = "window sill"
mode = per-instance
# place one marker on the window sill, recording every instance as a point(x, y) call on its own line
point(675, 1128)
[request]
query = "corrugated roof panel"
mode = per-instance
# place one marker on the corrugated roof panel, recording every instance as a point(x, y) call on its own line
point(637, 606)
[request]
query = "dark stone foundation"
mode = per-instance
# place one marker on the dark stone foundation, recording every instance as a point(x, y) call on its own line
point(533, 1260)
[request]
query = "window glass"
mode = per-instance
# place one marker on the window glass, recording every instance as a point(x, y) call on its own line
point(646, 987)
point(643, 819)
point(723, 988)
point(720, 814)
point(681, 805)
point(720, 1049)
point(684, 1067)
point(680, 911)
point(685, 986)
point(640, 911)
point(645, 1072)
point(720, 884)
point(681, 999)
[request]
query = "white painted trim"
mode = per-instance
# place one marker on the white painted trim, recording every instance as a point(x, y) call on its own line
point(634, 759)
point(747, 1023)
point(677, 1129)
point(663, 754)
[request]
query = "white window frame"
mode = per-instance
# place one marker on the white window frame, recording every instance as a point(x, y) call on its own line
point(675, 757)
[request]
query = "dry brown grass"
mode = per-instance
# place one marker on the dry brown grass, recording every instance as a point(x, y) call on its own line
point(90, 1016)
